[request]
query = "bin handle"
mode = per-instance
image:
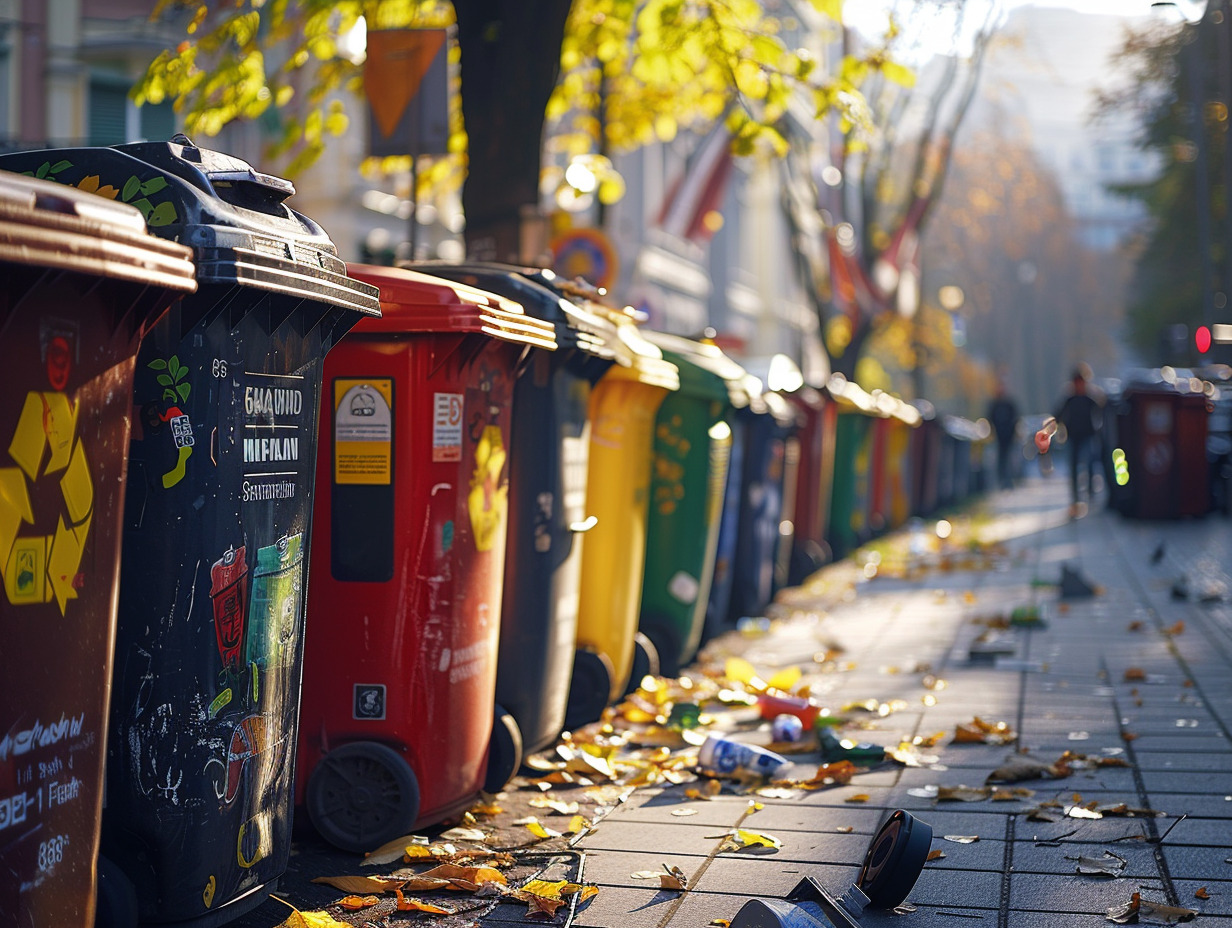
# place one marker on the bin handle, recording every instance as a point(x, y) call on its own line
point(585, 525)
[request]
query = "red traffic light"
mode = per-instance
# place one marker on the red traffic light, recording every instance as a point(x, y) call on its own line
point(1202, 339)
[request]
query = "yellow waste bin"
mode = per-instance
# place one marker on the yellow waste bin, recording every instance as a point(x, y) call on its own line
point(622, 415)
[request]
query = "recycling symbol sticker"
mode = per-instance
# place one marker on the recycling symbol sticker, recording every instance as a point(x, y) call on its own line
point(45, 447)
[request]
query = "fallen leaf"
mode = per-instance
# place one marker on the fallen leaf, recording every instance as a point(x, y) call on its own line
point(935, 854)
point(415, 905)
point(360, 884)
point(486, 808)
point(464, 834)
point(962, 839)
point(857, 797)
point(1133, 674)
point(683, 812)
point(1201, 893)
point(845, 829)
point(391, 851)
point(1176, 629)
point(673, 878)
point(1139, 909)
point(785, 679)
point(961, 793)
point(752, 838)
point(354, 903)
point(977, 731)
point(455, 874)
point(424, 884)
point(577, 824)
point(720, 922)
point(560, 808)
point(314, 919)
point(539, 831)
point(1082, 812)
point(1109, 865)
point(1023, 767)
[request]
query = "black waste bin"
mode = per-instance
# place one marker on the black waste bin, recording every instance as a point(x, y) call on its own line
point(549, 453)
point(205, 697)
point(80, 282)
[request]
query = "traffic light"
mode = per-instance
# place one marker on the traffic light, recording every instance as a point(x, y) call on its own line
point(1202, 339)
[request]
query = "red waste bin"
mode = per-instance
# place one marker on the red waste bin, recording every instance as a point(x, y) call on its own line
point(1165, 447)
point(398, 708)
point(80, 283)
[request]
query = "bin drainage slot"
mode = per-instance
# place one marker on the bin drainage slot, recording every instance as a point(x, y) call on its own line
point(585, 525)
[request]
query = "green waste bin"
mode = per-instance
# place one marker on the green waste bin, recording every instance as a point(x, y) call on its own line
point(853, 445)
point(691, 454)
point(81, 282)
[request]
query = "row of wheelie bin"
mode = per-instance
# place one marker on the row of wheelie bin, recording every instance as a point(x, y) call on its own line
point(511, 499)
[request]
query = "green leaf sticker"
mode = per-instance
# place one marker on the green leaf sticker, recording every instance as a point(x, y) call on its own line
point(145, 206)
point(153, 185)
point(184, 389)
point(158, 364)
point(173, 366)
point(169, 396)
point(43, 169)
point(60, 166)
point(163, 214)
point(131, 186)
point(165, 380)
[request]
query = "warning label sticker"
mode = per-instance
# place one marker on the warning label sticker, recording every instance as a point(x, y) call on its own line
point(363, 431)
point(447, 427)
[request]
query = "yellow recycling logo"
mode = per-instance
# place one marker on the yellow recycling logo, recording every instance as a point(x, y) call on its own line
point(44, 446)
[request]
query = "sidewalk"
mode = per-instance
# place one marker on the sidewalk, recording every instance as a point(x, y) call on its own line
point(1112, 676)
point(1174, 726)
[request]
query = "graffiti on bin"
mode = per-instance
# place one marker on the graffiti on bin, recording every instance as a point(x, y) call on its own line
point(274, 422)
point(135, 191)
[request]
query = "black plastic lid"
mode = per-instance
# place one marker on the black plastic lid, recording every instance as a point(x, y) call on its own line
point(232, 216)
point(895, 858)
point(575, 326)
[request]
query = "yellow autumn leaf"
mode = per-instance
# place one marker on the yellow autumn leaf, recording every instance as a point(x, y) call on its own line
point(314, 919)
point(537, 829)
point(406, 904)
point(476, 875)
point(785, 679)
point(857, 797)
point(416, 852)
point(354, 903)
point(751, 838)
point(576, 825)
point(360, 884)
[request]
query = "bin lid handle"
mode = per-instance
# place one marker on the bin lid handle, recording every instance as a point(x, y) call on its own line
point(269, 181)
point(585, 525)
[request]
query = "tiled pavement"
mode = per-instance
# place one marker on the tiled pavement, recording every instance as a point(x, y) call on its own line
point(1062, 687)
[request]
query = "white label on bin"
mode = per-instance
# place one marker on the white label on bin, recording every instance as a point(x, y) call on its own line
point(363, 430)
point(447, 427)
point(684, 587)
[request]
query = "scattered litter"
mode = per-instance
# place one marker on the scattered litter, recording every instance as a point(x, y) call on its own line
point(977, 731)
point(1110, 865)
point(961, 839)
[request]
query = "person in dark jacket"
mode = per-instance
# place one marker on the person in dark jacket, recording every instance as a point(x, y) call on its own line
point(1081, 414)
point(1003, 416)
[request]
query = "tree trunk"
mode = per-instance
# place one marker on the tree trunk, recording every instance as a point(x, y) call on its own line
point(510, 51)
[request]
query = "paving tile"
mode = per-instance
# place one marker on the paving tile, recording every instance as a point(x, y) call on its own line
point(1176, 781)
point(612, 835)
point(1199, 863)
point(1209, 806)
point(1074, 893)
point(1218, 906)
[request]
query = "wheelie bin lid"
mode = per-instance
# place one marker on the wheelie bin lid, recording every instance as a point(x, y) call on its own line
point(47, 225)
point(712, 372)
point(232, 216)
point(576, 326)
point(412, 302)
point(850, 396)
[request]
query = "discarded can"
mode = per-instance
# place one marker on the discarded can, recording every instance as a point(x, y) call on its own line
point(805, 710)
point(786, 728)
point(719, 755)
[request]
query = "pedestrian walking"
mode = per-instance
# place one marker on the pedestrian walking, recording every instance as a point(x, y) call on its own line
point(1003, 416)
point(1081, 415)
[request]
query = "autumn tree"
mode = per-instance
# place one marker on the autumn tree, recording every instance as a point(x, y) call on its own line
point(630, 71)
point(1180, 89)
point(861, 265)
point(1036, 300)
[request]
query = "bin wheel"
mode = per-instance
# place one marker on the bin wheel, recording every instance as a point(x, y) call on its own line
point(504, 751)
point(115, 897)
point(590, 688)
point(662, 648)
point(646, 662)
point(362, 795)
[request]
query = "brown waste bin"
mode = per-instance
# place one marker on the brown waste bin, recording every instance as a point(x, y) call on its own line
point(80, 283)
